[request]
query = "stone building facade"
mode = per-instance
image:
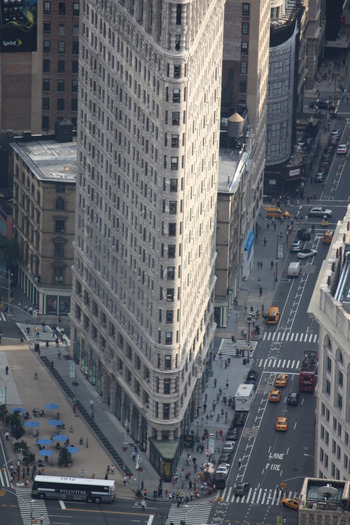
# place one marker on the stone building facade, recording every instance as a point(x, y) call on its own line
point(143, 277)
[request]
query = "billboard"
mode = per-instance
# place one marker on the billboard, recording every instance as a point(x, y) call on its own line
point(18, 26)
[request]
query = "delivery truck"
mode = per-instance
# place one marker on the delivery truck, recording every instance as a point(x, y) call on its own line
point(244, 397)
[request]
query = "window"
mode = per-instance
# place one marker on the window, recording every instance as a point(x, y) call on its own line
point(61, 29)
point(245, 9)
point(75, 66)
point(244, 48)
point(168, 338)
point(171, 251)
point(59, 249)
point(172, 207)
point(46, 84)
point(75, 48)
point(176, 95)
point(47, 8)
point(46, 46)
point(167, 384)
point(75, 29)
point(47, 28)
point(169, 316)
point(328, 387)
point(173, 185)
point(170, 294)
point(177, 42)
point(46, 66)
point(59, 226)
point(244, 68)
point(58, 274)
point(60, 85)
point(178, 14)
point(75, 8)
point(45, 123)
point(74, 86)
point(61, 47)
point(329, 364)
point(245, 28)
point(177, 71)
point(340, 401)
point(340, 378)
point(174, 141)
point(172, 229)
point(339, 430)
point(60, 204)
point(167, 362)
point(60, 66)
point(62, 8)
point(175, 118)
point(60, 104)
point(243, 86)
point(171, 273)
point(74, 104)
point(166, 410)
point(46, 104)
point(346, 438)
point(174, 163)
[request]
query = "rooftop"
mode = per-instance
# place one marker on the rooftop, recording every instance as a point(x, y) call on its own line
point(331, 496)
point(49, 160)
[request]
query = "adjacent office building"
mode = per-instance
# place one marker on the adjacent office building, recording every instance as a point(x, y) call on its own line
point(144, 266)
point(330, 306)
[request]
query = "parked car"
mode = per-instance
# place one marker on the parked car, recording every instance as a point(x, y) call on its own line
point(296, 246)
point(229, 446)
point(334, 133)
point(319, 176)
point(233, 434)
point(224, 469)
point(225, 457)
point(252, 376)
point(293, 399)
point(239, 419)
point(304, 234)
point(318, 211)
point(274, 315)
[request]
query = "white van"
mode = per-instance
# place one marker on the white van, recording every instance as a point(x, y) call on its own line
point(294, 269)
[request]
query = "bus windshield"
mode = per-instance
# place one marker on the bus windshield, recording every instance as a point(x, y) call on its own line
point(79, 489)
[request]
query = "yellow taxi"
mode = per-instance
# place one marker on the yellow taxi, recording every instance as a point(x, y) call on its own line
point(281, 380)
point(274, 315)
point(324, 221)
point(290, 502)
point(275, 396)
point(281, 424)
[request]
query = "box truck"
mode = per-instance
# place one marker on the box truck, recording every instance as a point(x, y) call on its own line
point(244, 397)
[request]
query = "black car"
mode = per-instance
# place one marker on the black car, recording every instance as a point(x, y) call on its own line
point(233, 434)
point(241, 489)
point(239, 419)
point(304, 234)
point(252, 376)
point(225, 457)
point(319, 176)
point(293, 399)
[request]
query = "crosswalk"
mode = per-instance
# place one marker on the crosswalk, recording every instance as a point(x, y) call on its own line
point(190, 514)
point(31, 509)
point(295, 337)
point(256, 496)
point(4, 478)
point(2, 317)
point(272, 362)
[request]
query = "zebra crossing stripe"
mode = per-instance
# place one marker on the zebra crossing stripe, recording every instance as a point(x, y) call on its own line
point(283, 335)
point(292, 336)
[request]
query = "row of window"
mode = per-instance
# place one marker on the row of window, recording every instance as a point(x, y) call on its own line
point(61, 66)
point(60, 104)
point(61, 47)
point(62, 11)
point(60, 85)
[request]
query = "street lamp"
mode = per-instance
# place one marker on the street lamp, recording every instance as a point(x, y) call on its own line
point(249, 320)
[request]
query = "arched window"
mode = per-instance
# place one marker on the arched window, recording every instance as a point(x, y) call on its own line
point(60, 203)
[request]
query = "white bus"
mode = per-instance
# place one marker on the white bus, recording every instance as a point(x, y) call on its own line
point(77, 489)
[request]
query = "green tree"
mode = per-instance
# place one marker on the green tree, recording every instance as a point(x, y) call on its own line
point(8, 253)
point(64, 458)
point(15, 422)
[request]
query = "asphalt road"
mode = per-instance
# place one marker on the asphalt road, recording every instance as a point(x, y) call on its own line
point(269, 458)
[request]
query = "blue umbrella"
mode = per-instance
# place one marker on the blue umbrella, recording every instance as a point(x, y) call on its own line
point(72, 449)
point(31, 424)
point(55, 422)
point(46, 453)
point(60, 437)
point(17, 409)
point(44, 441)
point(52, 406)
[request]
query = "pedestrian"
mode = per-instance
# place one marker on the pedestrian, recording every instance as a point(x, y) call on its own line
point(226, 383)
point(124, 481)
point(261, 265)
point(36, 376)
point(87, 443)
point(74, 407)
point(108, 469)
point(260, 291)
point(59, 354)
point(215, 381)
point(272, 265)
point(239, 463)
point(41, 519)
point(143, 504)
point(82, 473)
point(265, 241)
point(91, 404)
point(7, 370)
point(106, 476)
